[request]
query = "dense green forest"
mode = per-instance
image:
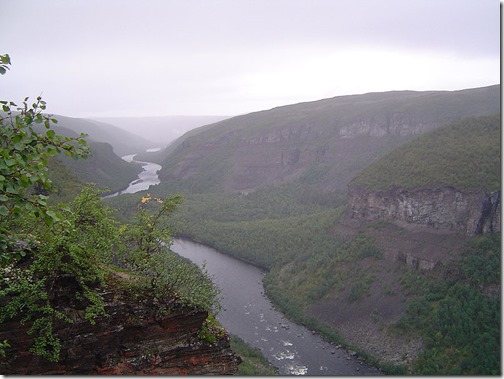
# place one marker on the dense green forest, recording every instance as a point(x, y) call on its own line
point(463, 154)
point(457, 312)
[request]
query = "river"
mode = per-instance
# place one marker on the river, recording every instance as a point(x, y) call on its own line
point(146, 178)
point(248, 313)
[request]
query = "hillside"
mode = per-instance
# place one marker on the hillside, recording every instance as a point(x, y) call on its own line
point(446, 180)
point(103, 167)
point(321, 145)
point(123, 142)
point(464, 154)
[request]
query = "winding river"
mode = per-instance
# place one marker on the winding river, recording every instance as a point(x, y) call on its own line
point(247, 312)
point(146, 178)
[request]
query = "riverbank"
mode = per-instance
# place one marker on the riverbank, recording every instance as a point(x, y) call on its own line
point(146, 178)
point(295, 313)
point(248, 313)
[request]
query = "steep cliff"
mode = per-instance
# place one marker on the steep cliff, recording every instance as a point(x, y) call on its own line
point(447, 180)
point(445, 209)
point(136, 338)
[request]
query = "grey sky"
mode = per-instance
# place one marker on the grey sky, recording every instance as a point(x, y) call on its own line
point(227, 57)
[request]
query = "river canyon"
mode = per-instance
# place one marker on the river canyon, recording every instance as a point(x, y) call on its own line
point(247, 312)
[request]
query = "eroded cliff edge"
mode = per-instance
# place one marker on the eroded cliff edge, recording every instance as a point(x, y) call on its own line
point(445, 209)
point(140, 336)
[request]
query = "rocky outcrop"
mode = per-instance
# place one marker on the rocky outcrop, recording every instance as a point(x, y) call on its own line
point(135, 339)
point(391, 124)
point(445, 209)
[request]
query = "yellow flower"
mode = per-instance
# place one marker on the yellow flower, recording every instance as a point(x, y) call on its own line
point(146, 198)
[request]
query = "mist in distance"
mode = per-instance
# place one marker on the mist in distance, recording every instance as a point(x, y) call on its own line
point(112, 59)
point(161, 130)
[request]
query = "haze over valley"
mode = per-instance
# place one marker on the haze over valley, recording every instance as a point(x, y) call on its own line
point(163, 129)
point(336, 164)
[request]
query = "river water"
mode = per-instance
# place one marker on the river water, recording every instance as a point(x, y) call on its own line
point(248, 313)
point(146, 178)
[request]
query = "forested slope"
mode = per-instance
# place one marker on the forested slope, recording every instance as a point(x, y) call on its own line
point(104, 166)
point(122, 141)
point(464, 154)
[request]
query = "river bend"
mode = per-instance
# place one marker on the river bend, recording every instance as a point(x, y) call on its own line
point(248, 313)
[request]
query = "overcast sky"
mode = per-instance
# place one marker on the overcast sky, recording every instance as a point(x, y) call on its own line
point(93, 58)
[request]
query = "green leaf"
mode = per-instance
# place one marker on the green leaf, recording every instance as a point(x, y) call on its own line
point(53, 215)
point(3, 210)
point(50, 133)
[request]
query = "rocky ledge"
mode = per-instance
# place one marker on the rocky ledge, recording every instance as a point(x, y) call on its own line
point(136, 338)
point(446, 209)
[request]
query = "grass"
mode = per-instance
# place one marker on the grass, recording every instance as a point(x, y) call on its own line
point(253, 362)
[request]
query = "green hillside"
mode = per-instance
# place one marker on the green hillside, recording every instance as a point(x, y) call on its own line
point(321, 145)
point(122, 141)
point(103, 167)
point(65, 184)
point(465, 154)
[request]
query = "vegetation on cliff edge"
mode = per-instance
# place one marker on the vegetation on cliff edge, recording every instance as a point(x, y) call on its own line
point(55, 258)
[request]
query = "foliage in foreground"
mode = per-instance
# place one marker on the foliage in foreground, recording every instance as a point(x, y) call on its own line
point(54, 259)
point(145, 252)
point(64, 266)
point(61, 261)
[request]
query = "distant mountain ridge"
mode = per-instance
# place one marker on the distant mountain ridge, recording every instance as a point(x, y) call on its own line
point(321, 144)
point(162, 129)
point(122, 141)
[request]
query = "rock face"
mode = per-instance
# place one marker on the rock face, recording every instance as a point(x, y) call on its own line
point(446, 209)
point(133, 340)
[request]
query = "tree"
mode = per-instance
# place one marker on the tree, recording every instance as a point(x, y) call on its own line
point(27, 141)
point(147, 254)
point(26, 144)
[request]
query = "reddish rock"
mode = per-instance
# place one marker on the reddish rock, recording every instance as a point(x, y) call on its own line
point(135, 339)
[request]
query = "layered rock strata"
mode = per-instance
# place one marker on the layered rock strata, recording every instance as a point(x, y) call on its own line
point(134, 339)
point(444, 209)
